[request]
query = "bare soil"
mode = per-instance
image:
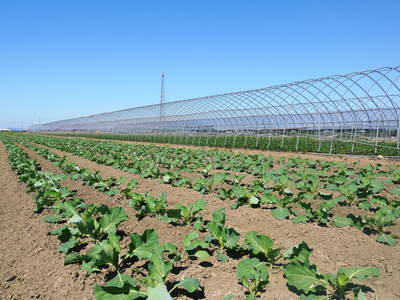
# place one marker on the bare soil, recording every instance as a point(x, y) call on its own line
point(49, 279)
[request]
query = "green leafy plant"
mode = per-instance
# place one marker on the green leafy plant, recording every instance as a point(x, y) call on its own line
point(147, 205)
point(263, 246)
point(220, 236)
point(376, 224)
point(243, 196)
point(253, 275)
point(281, 203)
point(187, 215)
point(313, 285)
point(320, 214)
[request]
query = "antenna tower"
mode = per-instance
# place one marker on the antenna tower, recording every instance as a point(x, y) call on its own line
point(162, 97)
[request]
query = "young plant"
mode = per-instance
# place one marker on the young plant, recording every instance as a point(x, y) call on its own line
point(313, 285)
point(152, 284)
point(196, 247)
point(243, 196)
point(377, 224)
point(320, 214)
point(253, 275)
point(221, 237)
point(281, 210)
point(187, 215)
point(202, 185)
point(147, 205)
point(263, 247)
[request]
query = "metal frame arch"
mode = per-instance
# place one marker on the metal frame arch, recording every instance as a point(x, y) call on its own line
point(327, 102)
point(301, 104)
point(274, 105)
point(312, 83)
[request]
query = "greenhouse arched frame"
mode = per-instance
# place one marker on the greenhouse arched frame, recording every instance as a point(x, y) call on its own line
point(352, 110)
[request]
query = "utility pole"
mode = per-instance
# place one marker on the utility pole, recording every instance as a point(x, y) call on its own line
point(162, 98)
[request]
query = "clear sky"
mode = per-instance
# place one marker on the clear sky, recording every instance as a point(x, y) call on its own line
point(64, 59)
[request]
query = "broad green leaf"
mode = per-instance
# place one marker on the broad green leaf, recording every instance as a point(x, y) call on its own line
point(328, 205)
point(386, 239)
point(121, 180)
point(219, 216)
point(72, 258)
point(238, 192)
point(168, 247)
point(190, 284)
point(299, 252)
point(221, 256)
point(302, 276)
point(280, 213)
point(121, 287)
point(103, 253)
point(342, 221)
point(66, 246)
point(248, 268)
point(360, 273)
point(202, 255)
point(229, 297)
point(366, 205)
point(395, 191)
point(158, 292)
point(114, 217)
point(254, 200)
point(378, 186)
point(52, 219)
point(199, 205)
point(301, 219)
point(360, 296)
point(253, 274)
point(259, 243)
point(231, 237)
point(188, 239)
point(143, 246)
point(158, 268)
point(312, 297)
point(332, 187)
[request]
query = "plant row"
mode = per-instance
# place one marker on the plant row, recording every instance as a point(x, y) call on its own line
point(298, 190)
point(97, 228)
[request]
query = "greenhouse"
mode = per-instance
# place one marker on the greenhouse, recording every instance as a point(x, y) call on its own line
point(360, 108)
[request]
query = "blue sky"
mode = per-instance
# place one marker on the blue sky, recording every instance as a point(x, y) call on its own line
point(64, 59)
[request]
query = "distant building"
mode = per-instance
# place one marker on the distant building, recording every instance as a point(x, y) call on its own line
point(4, 129)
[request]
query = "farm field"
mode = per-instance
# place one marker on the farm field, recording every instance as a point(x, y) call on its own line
point(132, 220)
point(358, 146)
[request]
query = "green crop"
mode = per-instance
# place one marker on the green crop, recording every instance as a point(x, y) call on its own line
point(187, 215)
point(252, 274)
point(313, 285)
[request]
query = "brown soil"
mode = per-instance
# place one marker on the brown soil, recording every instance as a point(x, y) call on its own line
point(28, 253)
